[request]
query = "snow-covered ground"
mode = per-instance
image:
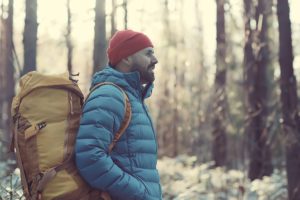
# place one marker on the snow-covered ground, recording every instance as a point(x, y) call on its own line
point(183, 179)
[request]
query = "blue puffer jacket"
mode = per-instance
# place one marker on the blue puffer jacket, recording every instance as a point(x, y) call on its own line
point(129, 172)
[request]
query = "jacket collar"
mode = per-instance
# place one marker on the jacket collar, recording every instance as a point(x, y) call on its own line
point(128, 81)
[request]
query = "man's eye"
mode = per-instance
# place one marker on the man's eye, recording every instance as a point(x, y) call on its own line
point(149, 53)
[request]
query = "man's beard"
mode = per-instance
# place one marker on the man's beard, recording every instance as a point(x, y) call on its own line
point(146, 75)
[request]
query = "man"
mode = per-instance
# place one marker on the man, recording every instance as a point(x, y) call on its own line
point(129, 171)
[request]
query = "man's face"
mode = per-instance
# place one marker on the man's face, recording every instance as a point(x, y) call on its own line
point(144, 62)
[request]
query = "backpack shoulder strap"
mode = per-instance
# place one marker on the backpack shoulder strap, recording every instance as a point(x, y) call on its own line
point(127, 115)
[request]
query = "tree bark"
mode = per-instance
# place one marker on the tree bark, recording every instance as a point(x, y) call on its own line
point(2, 82)
point(113, 29)
point(7, 78)
point(175, 120)
point(200, 120)
point(69, 39)
point(289, 100)
point(219, 107)
point(125, 7)
point(30, 36)
point(99, 55)
point(3, 64)
point(165, 118)
point(10, 85)
point(258, 95)
point(7, 69)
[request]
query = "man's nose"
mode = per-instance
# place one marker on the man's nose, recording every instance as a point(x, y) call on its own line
point(154, 60)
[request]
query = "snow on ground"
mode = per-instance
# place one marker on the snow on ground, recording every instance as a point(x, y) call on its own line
point(183, 179)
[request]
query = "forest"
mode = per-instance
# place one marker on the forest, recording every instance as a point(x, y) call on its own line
point(225, 101)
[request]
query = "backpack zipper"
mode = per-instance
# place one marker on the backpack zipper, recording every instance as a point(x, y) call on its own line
point(66, 156)
point(71, 104)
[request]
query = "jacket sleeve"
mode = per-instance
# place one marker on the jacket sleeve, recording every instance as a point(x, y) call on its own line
point(101, 117)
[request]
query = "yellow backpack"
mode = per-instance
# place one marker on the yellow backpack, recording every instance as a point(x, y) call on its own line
point(46, 115)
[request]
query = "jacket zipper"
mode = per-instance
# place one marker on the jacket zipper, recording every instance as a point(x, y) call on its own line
point(151, 126)
point(143, 93)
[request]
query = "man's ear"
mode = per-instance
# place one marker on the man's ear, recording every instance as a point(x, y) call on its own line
point(127, 61)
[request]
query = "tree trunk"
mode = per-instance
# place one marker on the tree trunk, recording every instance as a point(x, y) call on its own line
point(7, 69)
point(113, 17)
point(69, 40)
point(163, 129)
point(165, 118)
point(10, 84)
point(125, 13)
point(3, 81)
point(256, 63)
point(289, 99)
point(258, 96)
point(7, 78)
point(30, 36)
point(219, 107)
point(99, 56)
point(175, 120)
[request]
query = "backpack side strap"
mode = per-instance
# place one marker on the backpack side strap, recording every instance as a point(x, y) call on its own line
point(14, 143)
point(46, 176)
point(124, 124)
point(127, 115)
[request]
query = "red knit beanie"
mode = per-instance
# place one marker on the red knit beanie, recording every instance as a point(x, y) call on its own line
point(125, 43)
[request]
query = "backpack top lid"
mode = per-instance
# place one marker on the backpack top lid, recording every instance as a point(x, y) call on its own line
point(34, 80)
